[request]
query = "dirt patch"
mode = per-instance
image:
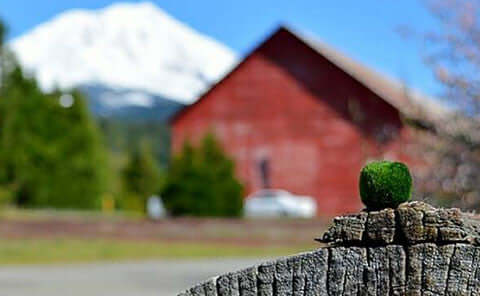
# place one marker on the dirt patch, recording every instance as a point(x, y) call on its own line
point(231, 231)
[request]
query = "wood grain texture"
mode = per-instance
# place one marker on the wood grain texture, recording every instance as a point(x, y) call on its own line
point(413, 250)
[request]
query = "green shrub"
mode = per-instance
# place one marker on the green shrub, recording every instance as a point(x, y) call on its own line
point(6, 197)
point(141, 178)
point(385, 184)
point(201, 181)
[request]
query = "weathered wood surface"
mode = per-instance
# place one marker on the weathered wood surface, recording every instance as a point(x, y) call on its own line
point(413, 250)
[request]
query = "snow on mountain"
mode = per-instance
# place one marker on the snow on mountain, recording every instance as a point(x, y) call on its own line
point(124, 46)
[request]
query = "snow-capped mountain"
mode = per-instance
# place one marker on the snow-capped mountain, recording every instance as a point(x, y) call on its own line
point(123, 55)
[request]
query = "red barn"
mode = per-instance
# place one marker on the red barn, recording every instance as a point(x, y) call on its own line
point(303, 114)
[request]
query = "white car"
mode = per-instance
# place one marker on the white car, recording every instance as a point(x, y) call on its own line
point(155, 208)
point(279, 203)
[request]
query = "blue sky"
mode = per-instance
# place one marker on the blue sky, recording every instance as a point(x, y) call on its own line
point(364, 29)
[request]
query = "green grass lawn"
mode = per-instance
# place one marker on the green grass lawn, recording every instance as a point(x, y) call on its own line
point(52, 236)
point(30, 251)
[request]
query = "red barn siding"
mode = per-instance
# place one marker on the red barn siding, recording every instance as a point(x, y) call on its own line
point(287, 103)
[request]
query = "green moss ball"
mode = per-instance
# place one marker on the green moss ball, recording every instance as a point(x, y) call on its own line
point(385, 184)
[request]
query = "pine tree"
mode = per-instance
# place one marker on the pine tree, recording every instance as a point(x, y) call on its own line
point(2, 41)
point(3, 33)
point(23, 124)
point(201, 182)
point(81, 175)
point(141, 178)
point(50, 155)
point(7, 66)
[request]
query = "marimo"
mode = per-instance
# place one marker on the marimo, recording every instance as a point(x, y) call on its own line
point(385, 184)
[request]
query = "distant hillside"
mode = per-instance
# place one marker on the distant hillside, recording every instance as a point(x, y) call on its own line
point(130, 105)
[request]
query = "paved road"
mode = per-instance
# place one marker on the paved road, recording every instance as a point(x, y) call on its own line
point(116, 279)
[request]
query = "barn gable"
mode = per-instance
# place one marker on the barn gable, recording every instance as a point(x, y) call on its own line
point(408, 101)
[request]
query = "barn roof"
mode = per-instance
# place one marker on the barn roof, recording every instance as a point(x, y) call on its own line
point(408, 101)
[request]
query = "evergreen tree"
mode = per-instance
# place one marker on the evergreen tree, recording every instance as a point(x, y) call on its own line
point(51, 154)
point(2, 41)
point(141, 177)
point(201, 182)
point(3, 33)
point(4, 56)
point(81, 172)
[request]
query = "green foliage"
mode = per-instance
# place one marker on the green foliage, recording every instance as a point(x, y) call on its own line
point(201, 182)
point(385, 184)
point(3, 55)
point(121, 136)
point(6, 197)
point(50, 155)
point(141, 179)
point(3, 33)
